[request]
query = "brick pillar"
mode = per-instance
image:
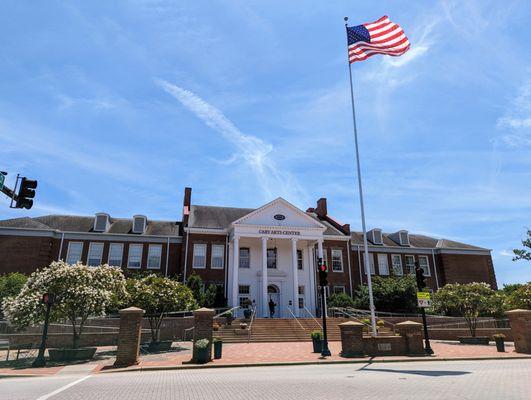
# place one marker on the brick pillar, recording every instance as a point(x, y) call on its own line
point(203, 321)
point(351, 339)
point(412, 331)
point(520, 321)
point(129, 337)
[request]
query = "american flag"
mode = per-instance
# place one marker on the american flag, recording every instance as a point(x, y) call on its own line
point(379, 37)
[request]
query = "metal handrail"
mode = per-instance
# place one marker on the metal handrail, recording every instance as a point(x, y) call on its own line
point(296, 319)
point(313, 317)
point(251, 324)
point(226, 311)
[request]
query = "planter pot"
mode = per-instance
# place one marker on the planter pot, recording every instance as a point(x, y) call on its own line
point(164, 345)
point(484, 340)
point(202, 356)
point(500, 344)
point(229, 320)
point(217, 349)
point(317, 345)
point(84, 353)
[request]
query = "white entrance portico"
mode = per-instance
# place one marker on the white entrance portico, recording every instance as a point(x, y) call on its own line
point(273, 247)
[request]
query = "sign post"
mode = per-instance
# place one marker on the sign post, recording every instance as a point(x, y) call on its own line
point(48, 299)
point(423, 301)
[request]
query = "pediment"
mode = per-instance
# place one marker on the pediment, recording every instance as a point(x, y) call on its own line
point(280, 213)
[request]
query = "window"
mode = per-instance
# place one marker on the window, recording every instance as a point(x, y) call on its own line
point(139, 224)
point(245, 257)
point(397, 264)
point(115, 254)
point(244, 301)
point(272, 258)
point(199, 260)
point(244, 289)
point(73, 255)
point(301, 289)
point(94, 254)
point(135, 256)
point(301, 302)
point(299, 259)
point(337, 260)
point(154, 255)
point(100, 222)
point(383, 265)
point(371, 264)
point(339, 289)
point(423, 263)
point(410, 264)
point(218, 252)
point(404, 238)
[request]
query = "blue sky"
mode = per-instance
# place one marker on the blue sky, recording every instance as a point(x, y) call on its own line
point(117, 106)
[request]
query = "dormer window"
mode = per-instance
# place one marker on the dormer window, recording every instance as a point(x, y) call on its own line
point(400, 237)
point(375, 236)
point(139, 223)
point(101, 222)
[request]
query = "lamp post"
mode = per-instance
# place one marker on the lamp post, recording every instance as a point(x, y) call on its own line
point(322, 269)
point(48, 299)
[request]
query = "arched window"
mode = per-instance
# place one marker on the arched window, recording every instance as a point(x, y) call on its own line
point(272, 289)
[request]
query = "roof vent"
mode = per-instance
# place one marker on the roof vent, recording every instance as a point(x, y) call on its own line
point(400, 237)
point(101, 222)
point(139, 223)
point(375, 236)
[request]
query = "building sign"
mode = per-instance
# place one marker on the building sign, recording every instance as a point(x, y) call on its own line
point(424, 299)
point(279, 217)
point(278, 232)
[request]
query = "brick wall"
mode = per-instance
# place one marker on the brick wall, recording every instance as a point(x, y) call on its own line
point(459, 268)
point(337, 278)
point(208, 274)
point(25, 254)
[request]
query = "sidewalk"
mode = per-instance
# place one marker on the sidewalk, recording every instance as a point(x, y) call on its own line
point(258, 354)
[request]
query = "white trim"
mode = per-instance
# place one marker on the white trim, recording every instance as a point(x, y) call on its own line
point(406, 268)
point(107, 218)
point(144, 223)
point(121, 254)
point(134, 245)
point(151, 246)
point(401, 265)
point(197, 245)
point(427, 264)
point(68, 252)
point(91, 246)
point(335, 237)
point(378, 256)
point(344, 289)
point(208, 231)
point(212, 255)
point(422, 250)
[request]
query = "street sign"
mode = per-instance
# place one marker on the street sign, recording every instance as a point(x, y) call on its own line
point(424, 299)
point(2, 179)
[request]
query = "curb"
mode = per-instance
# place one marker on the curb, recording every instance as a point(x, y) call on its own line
point(296, 363)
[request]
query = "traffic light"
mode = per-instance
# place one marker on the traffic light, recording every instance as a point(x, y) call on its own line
point(26, 193)
point(421, 279)
point(323, 272)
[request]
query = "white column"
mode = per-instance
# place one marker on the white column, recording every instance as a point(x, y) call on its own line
point(311, 290)
point(295, 308)
point(235, 269)
point(265, 306)
point(320, 248)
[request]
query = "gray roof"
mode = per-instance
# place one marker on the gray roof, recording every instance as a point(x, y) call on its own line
point(73, 223)
point(209, 217)
point(418, 241)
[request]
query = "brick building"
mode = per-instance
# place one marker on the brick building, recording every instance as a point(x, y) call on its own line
point(262, 254)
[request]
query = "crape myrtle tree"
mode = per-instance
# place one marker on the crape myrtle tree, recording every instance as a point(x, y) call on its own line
point(158, 296)
point(525, 253)
point(81, 292)
point(470, 301)
point(10, 285)
point(517, 295)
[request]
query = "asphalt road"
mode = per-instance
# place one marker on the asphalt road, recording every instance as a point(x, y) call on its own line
point(499, 379)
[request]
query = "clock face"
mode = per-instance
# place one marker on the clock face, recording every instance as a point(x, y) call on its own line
point(279, 217)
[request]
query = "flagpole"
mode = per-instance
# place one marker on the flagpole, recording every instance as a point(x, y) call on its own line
point(365, 246)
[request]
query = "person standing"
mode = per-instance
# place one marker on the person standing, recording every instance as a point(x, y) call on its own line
point(271, 308)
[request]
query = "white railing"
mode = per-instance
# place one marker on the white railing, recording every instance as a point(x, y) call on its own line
point(313, 317)
point(296, 319)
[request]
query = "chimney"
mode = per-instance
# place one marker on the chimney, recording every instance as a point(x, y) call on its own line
point(321, 209)
point(346, 229)
point(186, 205)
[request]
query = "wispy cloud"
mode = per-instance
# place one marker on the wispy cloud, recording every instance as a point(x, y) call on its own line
point(254, 151)
point(517, 119)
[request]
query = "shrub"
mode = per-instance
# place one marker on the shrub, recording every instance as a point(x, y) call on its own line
point(393, 294)
point(81, 292)
point(470, 301)
point(341, 300)
point(10, 285)
point(318, 335)
point(518, 297)
point(157, 296)
point(201, 344)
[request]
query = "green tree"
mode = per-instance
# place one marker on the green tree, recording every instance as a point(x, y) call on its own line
point(518, 297)
point(10, 285)
point(341, 300)
point(470, 301)
point(391, 294)
point(525, 253)
point(157, 296)
point(195, 283)
point(205, 296)
point(81, 292)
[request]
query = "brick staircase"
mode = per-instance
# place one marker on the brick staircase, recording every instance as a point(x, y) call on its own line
point(278, 330)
